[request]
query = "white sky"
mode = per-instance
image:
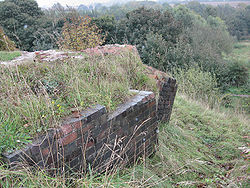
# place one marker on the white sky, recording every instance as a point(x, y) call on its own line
point(49, 3)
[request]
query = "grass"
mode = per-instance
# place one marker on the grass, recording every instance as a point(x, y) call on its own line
point(8, 56)
point(200, 147)
point(36, 96)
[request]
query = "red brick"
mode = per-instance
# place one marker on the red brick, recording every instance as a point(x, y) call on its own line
point(144, 99)
point(151, 104)
point(70, 138)
point(102, 135)
point(77, 125)
point(151, 96)
point(80, 141)
point(85, 129)
point(89, 144)
point(66, 129)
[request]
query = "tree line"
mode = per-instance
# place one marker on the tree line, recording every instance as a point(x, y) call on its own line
point(166, 37)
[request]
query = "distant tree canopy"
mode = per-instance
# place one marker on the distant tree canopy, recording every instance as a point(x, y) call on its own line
point(174, 38)
point(237, 19)
point(19, 18)
point(140, 22)
point(166, 37)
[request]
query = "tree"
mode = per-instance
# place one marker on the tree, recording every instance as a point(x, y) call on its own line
point(140, 22)
point(107, 25)
point(19, 21)
point(78, 34)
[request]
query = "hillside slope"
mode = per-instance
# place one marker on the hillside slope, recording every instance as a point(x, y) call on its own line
point(200, 147)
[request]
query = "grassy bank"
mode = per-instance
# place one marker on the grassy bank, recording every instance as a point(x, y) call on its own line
point(35, 96)
point(7, 56)
point(200, 147)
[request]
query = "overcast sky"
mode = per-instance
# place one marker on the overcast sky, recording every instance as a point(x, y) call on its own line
point(49, 3)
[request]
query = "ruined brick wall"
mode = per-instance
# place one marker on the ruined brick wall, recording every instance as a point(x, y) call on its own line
point(167, 92)
point(97, 139)
point(100, 140)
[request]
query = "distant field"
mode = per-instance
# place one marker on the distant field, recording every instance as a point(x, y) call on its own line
point(232, 3)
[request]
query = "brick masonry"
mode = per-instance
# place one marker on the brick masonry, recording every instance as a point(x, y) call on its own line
point(99, 140)
point(168, 89)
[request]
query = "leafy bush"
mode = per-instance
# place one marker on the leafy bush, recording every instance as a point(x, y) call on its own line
point(197, 84)
point(142, 22)
point(107, 25)
point(79, 33)
point(237, 74)
point(154, 52)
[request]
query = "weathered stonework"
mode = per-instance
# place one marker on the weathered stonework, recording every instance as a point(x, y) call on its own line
point(100, 140)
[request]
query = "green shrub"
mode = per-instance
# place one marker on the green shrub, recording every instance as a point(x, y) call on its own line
point(237, 74)
point(197, 84)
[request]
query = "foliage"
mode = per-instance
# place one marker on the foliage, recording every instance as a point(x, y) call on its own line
point(107, 25)
point(155, 33)
point(178, 38)
point(154, 53)
point(237, 19)
point(7, 56)
point(142, 21)
point(237, 74)
point(46, 36)
point(241, 52)
point(5, 43)
point(238, 66)
point(78, 34)
point(195, 83)
point(35, 96)
point(19, 21)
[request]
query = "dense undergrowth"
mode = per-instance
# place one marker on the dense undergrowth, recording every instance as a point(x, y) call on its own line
point(200, 147)
point(37, 95)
